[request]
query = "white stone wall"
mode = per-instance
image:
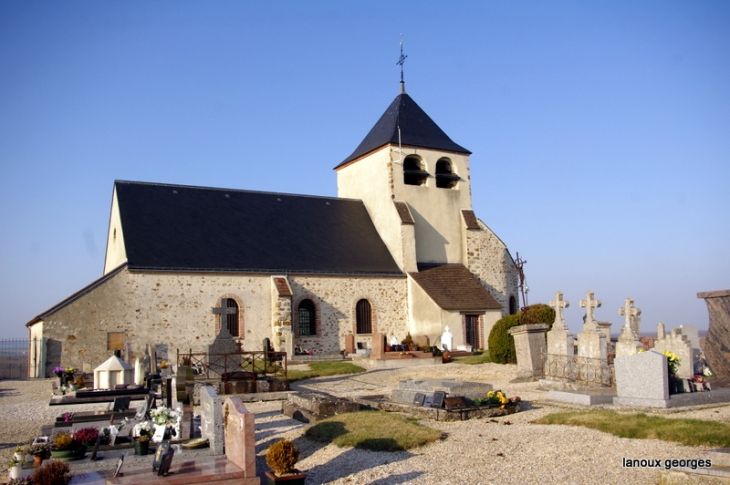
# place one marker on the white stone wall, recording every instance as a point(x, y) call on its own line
point(116, 253)
point(335, 299)
point(488, 258)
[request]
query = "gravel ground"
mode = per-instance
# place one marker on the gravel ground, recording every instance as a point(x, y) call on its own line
point(476, 452)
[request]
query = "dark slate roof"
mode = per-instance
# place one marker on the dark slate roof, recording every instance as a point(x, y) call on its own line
point(416, 129)
point(183, 228)
point(454, 287)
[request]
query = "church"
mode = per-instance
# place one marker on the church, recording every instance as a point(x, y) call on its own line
point(398, 251)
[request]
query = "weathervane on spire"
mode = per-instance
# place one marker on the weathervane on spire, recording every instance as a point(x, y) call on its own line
point(401, 60)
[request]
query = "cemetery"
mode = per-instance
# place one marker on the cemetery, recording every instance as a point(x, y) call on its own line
point(196, 421)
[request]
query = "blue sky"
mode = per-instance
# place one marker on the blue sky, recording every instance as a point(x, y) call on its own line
point(600, 131)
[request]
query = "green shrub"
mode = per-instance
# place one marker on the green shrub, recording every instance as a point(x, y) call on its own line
point(537, 313)
point(501, 343)
point(282, 456)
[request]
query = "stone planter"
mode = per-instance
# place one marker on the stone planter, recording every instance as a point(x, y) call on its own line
point(294, 479)
point(141, 447)
point(70, 454)
point(17, 469)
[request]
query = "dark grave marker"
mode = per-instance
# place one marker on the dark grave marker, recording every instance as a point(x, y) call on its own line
point(438, 399)
point(418, 399)
point(162, 448)
point(428, 401)
point(96, 447)
point(165, 463)
point(121, 403)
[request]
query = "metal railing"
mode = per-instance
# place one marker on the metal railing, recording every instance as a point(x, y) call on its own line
point(18, 356)
point(578, 369)
point(236, 366)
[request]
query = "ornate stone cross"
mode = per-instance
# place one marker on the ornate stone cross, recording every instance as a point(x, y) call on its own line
point(589, 304)
point(630, 312)
point(558, 305)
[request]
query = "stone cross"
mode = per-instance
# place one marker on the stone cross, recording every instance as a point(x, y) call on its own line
point(589, 303)
point(630, 312)
point(559, 304)
point(223, 312)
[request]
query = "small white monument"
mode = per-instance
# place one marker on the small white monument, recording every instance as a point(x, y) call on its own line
point(447, 340)
point(112, 372)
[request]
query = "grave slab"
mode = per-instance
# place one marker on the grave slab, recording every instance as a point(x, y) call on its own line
point(582, 397)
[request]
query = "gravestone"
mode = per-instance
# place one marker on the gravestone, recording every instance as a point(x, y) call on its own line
point(628, 342)
point(349, 344)
point(591, 341)
point(211, 419)
point(717, 342)
point(407, 389)
point(559, 338)
point(378, 346)
point(680, 346)
point(223, 353)
point(631, 315)
point(421, 341)
point(529, 347)
point(240, 439)
point(139, 372)
point(447, 340)
point(642, 379)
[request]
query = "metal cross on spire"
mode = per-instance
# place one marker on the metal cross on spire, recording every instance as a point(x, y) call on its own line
point(401, 59)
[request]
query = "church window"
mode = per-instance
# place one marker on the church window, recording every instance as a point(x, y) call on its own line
point(512, 305)
point(445, 176)
point(231, 315)
point(307, 318)
point(413, 173)
point(363, 317)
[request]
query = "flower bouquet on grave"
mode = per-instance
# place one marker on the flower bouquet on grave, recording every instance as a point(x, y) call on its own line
point(142, 433)
point(164, 415)
point(60, 372)
point(86, 436)
point(672, 361)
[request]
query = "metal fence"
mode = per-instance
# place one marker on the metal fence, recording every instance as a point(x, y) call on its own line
point(578, 369)
point(236, 365)
point(19, 356)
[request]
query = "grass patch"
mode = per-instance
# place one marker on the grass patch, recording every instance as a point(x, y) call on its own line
point(477, 358)
point(323, 369)
point(373, 430)
point(690, 432)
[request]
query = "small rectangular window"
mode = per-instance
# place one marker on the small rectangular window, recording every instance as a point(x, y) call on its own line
point(115, 341)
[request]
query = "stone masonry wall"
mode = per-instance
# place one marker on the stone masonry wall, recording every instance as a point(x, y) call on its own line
point(159, 308)
point(335, 299)
point(488, 258)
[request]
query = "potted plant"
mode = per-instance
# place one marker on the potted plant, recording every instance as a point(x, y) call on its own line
point(18, 455)
point(52, 473)
point(66, 448)
point(142, 433)
point(39, 451)
point(167, 417)
point(408, 341)
point(15, 467)
point(281, 458)
point(60, 372)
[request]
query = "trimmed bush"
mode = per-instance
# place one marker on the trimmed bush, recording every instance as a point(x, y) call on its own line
point(538, 313)
point(282, 456)
point(501, 343)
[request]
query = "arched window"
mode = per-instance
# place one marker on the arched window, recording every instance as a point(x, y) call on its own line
point(362, 317)
point(231, 315)
point(445, 176)
point(413, 173)
point(512, 305)
point(307, 321)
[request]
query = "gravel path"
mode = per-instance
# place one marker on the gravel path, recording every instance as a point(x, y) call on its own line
point(475, 451)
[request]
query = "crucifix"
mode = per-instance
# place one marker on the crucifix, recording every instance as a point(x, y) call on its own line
point(559, 305)
point(630, 312)
point(401, 59)
point(589, 303)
